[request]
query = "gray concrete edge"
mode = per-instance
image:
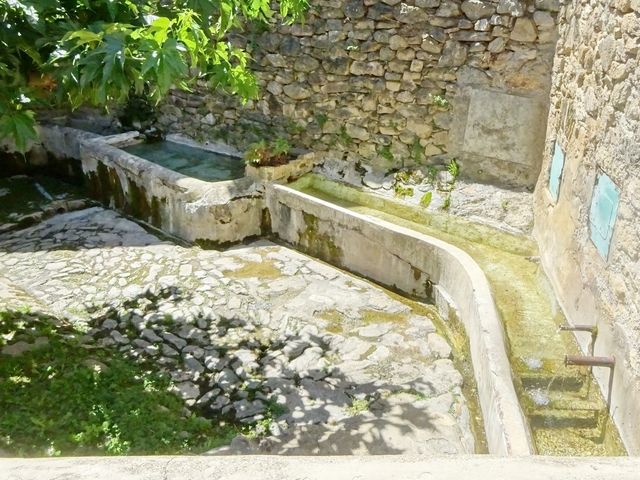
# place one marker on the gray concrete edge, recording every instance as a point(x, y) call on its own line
point(400, 467)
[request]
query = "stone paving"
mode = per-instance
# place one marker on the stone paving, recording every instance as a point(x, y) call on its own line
point(313, 360)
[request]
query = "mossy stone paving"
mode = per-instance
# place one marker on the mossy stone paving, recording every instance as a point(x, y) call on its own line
point(296, 356)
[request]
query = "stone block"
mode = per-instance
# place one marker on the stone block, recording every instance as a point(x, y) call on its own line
point(477, 9)
point(524, 30)
point(505, 127)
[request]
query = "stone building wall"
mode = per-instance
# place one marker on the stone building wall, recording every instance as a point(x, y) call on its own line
point(595, 119)
point(394, 84)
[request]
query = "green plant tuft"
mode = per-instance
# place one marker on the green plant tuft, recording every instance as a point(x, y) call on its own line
point(385, 152)
point(447, 202)
point(358, 406)
point(416, 151)
point(453, 168)
point(321, 119)
point(425, 201)
point(263, 154)
point(439, 100)
point(402, 191)
point(343, 137)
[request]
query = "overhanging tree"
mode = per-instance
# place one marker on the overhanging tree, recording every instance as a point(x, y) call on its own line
point(98, 52)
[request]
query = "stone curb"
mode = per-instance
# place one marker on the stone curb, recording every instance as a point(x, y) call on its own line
point(400, 467)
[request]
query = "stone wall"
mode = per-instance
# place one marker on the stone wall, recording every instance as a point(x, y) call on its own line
point(595, 119)
point(394, 84)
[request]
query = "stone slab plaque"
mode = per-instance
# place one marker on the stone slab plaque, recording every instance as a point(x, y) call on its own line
point(507, 127)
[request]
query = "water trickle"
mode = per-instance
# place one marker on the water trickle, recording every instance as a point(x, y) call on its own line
point(533, 363)
point(540, 397)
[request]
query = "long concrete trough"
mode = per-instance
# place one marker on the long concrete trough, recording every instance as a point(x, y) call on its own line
point(416, 264)
point(409, 261)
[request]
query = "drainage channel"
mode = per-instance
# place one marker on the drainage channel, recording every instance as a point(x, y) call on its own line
point(562, 402)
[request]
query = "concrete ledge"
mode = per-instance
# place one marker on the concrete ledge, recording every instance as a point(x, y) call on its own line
point(64, 142)
point(284, 173)
point(414, 263)
point(456, 467)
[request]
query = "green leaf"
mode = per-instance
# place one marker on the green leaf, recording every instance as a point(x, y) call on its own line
point(159, 29)
point(98, 51)
point(19, 125)
point(83, 37)
point(170, 66)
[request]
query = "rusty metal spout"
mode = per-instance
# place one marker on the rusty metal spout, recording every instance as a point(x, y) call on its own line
point(579, 328)
point(589, 361)
point(592, 329)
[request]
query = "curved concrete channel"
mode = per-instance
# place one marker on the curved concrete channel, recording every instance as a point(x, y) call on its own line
point(419, 265)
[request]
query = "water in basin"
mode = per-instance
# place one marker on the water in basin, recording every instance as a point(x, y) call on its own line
point(190, 161)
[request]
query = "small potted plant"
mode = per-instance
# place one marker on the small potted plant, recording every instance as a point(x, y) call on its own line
point(274, 161)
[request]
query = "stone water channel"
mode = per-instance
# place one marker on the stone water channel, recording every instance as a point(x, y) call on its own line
point(333, 363)
point(565, 409)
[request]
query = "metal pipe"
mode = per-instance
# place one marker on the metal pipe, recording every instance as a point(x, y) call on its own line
point(591, 361)
point(593, 329)
point(579, 328)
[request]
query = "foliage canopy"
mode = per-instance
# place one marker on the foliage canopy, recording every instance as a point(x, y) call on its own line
point(98, 52)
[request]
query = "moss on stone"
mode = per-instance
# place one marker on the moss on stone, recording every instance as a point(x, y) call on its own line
point(370, 316)
point(136, 203)
point(265, 222)
point(334, 321)
point(156, 211)
point(104, 185)
point(318, 244)
point(264, 270)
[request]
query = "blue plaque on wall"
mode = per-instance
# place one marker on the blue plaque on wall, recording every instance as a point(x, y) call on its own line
point(602, 216)
point(555, 173)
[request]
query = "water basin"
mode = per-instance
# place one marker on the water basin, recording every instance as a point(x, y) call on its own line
point(193, 162)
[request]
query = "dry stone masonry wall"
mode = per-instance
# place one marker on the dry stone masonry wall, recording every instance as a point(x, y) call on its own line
point(394, 84)
point(595, 121)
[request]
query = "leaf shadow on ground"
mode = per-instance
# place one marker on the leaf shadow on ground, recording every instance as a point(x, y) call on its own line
point(79, 394)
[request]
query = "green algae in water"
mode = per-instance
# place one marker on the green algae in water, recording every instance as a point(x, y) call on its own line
point(193, 162)
point(567, 417)
point(369, 317)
